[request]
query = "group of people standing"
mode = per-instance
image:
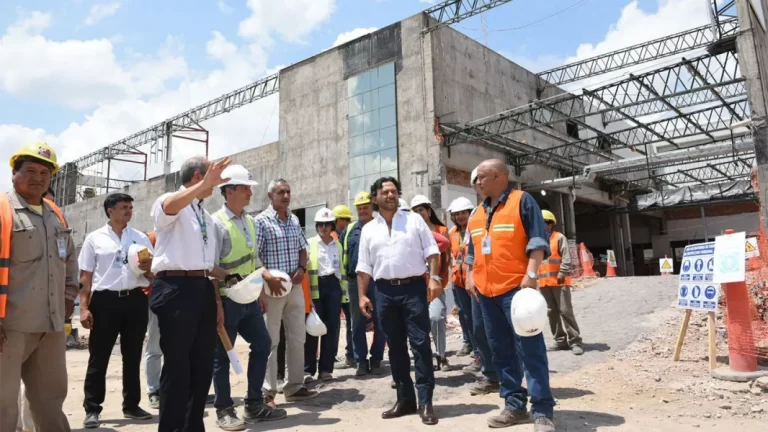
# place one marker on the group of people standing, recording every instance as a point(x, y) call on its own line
point(390, 267)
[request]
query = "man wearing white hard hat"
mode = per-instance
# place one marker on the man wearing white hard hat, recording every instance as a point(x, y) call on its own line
point(236, 244)
point(112, 303)
point(327, 285)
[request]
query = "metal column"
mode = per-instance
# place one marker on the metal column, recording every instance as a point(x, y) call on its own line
point(630, 259)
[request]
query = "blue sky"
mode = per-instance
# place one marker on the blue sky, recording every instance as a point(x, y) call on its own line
point(84, 73)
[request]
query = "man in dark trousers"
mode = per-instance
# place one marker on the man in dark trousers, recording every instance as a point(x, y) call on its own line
point(183, 297)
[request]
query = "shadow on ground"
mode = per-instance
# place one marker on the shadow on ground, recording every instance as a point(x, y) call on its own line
point(293, 422)
point(570, 393)
point(599, 347)
point(328, 398)
point(458, 410)
point(574, 421)
point(454, 380)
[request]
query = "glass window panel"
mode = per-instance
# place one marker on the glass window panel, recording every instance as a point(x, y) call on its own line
point(371, 142)
point(386, 74)
point(371, 121)
point(355, 105)
point(387, 116)
point(388, 138)
point(387, 95)
point(371, 100)
point(372, 163)
point(357, 145)
point(390, 174)
point(371, 179)
point(389, 159)
point(356, 167)
point(356, 125)
point(357, 185)
point(358, 84)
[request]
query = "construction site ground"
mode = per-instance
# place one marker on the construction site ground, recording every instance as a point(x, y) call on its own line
point(626, 380)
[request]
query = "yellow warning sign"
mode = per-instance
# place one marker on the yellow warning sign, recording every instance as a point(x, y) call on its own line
point(666, 265)
point(749, 247)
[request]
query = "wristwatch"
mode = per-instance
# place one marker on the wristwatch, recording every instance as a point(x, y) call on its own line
point(436, 278)
point(532, 275)
point(304, 269)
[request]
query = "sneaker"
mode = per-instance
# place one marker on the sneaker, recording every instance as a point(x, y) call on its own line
point(576, 349)
point(347, 363)
point(263, 413)
point(325, 376)
point(376, 368)
point(136, 414)
point(280, 385)
point(154, 401)
point(464, 351)
point(508, 418)
point(557, 346)
point(484, 387)
point(302, 394)
point(362, 369)
point(227, 420)
point(474, 367)
point(543, 424)
point(92, 421)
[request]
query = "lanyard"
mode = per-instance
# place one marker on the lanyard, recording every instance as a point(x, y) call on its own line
point(201, 220)
point(489, 217)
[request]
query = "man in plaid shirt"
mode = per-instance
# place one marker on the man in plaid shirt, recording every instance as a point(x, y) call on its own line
point(282, 246)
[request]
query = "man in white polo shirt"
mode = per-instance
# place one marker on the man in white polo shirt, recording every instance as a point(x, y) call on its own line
point(183, 297)
point(112, 303)
point(393, 250)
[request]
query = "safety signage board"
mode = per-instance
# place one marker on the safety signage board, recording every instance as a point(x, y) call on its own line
point(730, 254)
point(750, 248)
point(611, 258)
point(697, 290)
point(665, 265)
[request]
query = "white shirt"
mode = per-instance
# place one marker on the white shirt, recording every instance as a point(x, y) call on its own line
point(328, 258)
point(103, 253)
point(179, 244)
point(398, 255)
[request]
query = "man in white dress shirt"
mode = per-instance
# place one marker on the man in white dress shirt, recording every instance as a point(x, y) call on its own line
point(183, 297)
point(112, 303)
point(393, 250)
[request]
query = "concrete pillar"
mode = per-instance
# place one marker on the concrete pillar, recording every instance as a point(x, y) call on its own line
point(557, 209)
point(570, 215)
point(630, 260)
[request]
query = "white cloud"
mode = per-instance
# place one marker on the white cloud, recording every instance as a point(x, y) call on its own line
point(223, 6)
point(100, 11)
point(345, 37)
point(292, 19)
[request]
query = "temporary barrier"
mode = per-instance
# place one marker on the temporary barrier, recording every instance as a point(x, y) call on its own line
point(586, 261)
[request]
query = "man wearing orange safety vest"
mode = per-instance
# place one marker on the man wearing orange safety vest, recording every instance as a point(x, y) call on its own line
point(38, 286)
point(509, 241)
point(555, 284)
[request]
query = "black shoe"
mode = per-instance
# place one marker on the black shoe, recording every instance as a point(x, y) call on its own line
point(362, 369)
point(263, 413)
point(136, 414)
point(376, 367)
point(427, 414)
point(209, 400)
point(400, 409)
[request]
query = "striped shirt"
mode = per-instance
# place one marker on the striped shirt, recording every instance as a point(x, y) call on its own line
point(279, 242)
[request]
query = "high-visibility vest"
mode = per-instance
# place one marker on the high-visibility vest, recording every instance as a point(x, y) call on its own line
point(345, 258)
point(241, 258)
point(459, 253)
point(6, 228)
point(504, 268)
point(550, 267)
point(312, 270)
point(307, 297)
point(443, 231)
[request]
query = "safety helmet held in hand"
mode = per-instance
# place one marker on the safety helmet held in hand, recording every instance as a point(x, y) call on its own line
point(548, 216)
point(133, 258)
point(285, 280)
point(362, 198)
point(460, 204)
point(315, 326)
point(420, 200)
point(247, 290)
point(529, 312)
point(237, 175)
point(324, 215)
point(37, 150)
point(342, 212)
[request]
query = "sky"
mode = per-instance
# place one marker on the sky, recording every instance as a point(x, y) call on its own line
point(81, 74)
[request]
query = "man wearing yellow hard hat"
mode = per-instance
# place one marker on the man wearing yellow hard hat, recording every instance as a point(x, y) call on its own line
point(38, 286)
point(343, 219)
point(555, 286)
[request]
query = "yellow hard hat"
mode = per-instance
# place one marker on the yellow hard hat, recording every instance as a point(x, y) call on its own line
point(37, 150)
point(362, 198)
point(342, 212)
point(548, 216)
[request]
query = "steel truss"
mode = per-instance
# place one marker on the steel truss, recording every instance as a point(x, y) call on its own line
point(452, 11)
point(737, 167)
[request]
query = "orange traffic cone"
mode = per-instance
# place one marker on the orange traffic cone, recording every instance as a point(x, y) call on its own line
point(610, 271)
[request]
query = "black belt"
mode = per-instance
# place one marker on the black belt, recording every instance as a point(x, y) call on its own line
point(403, 281)
point(182, 273)
point(332, 275)
point(120, 293)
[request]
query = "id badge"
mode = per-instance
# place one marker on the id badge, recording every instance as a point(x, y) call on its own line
point(487, 246)
point(118, 263)
point(61, 244)
point(335, 262)
point(249, 243)
point(459, 259)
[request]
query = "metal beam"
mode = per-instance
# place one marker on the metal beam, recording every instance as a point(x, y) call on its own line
point(452, 11)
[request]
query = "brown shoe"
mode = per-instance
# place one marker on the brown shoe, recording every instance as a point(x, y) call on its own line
point(400, 409)
point(484, 387)
point(427, 414)
point(301, 395)
point(508, 418)
point(543, 424)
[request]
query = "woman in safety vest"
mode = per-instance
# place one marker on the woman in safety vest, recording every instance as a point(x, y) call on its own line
point(459, 210)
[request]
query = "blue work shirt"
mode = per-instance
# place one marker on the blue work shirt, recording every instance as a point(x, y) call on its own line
point(533, 223)
point(353, 246)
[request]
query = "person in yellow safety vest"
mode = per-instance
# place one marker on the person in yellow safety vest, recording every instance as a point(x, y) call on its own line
point(328, 285)
point(555, 286)
point(343, 217)
point(238, 258)
point(34, 304)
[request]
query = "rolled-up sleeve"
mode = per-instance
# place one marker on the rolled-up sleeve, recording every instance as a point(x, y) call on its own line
point(534, 225)
point(364, 263)
point(428, 243)
point(72, 279)
point(162, 221)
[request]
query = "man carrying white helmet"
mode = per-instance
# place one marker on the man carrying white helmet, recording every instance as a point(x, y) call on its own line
point(327, 286)
point(236, 246)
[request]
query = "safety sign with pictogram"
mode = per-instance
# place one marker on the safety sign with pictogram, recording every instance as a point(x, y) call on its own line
point(665, 265)
point(750, 248)
point(696, 289)
point(730, 254)
point(611, 258)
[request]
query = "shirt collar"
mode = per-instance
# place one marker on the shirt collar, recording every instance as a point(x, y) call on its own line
point(109, 229)
point(271, 212)
point(502, 198)
point(18, 202)
point(229, 213)
point(398, 213)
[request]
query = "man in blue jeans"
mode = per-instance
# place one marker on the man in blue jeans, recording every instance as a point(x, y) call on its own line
point(351, 243)
point(236, 247)
point(509, 241)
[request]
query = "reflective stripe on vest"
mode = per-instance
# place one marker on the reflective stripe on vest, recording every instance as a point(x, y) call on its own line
point(345, 257)
point(550, 268)
point(6, 228)
point(314, 288)
point(504, 268)
point(459, 253)
point(241, 258)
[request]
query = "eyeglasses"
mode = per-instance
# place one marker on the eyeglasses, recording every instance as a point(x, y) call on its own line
point(325, 224)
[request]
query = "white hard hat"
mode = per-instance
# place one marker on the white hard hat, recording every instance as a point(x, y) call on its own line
point(420, 200)
point(286, 281)
point(324, 215)
point(473, 176)
point(315, 326)
point(529, 312)
point(133, 258)
point(237, 175)
point(460, 204)
point(403, 205)
point(247, 290)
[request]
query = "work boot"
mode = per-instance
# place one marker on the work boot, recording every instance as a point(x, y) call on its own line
point(576, 349)
point(557, 346)
point(543, 424)
point(464, 351)
point(325, 376)
point(508, 418)
point(301, 395)
point(427, 414)
point(227, 420)
point(474, 367)
point(362, 369)
point(136, 414)
point(376, 368)
point(92, 421)
point(154, 401)
point(263, 413)
point(347, 363)
point(484, 387)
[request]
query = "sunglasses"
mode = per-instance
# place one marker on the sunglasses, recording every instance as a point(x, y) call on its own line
point(325, 224)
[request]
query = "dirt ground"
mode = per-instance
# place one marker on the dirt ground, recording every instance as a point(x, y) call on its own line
point(626, 381)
